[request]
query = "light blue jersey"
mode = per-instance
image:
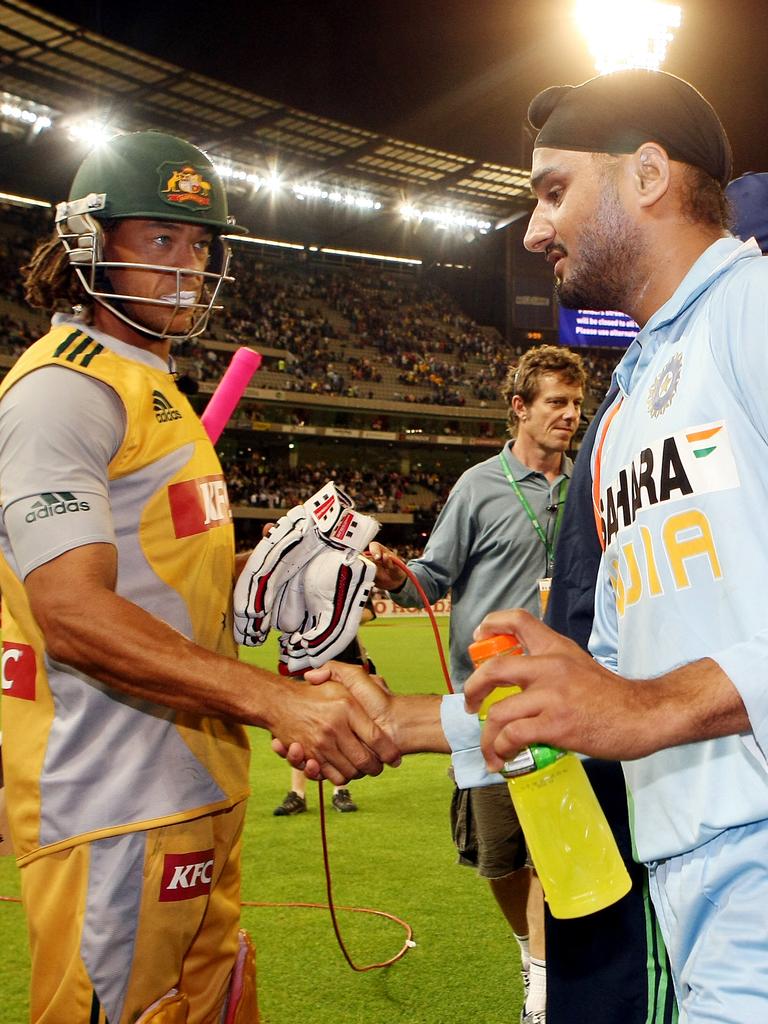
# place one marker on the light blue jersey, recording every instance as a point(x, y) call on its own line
point(683, 500)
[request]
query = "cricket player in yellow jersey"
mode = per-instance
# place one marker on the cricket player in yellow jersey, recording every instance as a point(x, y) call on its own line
point(125, 759)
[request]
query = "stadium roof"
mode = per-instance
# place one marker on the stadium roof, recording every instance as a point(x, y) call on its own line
point(68, 71)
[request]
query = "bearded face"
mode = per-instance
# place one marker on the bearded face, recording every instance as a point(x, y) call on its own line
point(581, 225)
point(601, 275)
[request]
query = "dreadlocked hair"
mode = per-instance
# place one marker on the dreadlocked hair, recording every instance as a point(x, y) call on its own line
point(49, 281)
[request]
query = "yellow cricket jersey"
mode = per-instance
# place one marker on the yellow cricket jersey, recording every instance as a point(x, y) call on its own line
point(83, 761)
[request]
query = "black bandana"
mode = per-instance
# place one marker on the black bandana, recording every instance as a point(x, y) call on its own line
point(616, 113)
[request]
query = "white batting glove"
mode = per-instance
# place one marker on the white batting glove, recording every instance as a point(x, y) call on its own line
point(336, 587)
point(289, 545)
point(289, 613)
point(325, 518)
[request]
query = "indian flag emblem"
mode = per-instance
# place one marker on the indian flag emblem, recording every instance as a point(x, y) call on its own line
point(698, 440)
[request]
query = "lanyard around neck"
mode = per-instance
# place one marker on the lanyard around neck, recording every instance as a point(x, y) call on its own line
point(549, 546)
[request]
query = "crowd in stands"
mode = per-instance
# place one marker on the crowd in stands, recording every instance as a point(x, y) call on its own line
point(318, 321)
point(321, 318)
point(253, 479)
point(16, 243)
point(329, 331)
point(438, 355)
point(599, 367)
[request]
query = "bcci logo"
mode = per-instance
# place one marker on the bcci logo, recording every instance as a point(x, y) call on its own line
point(185, 185)
point(664, 388)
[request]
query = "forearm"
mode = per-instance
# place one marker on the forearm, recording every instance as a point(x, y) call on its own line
point(415, 723)
point(570, 701)
point(138, 654)
point(695, 702)
point(87, 625)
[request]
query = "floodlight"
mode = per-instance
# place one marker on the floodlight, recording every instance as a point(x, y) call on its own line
point(627, 33)
point(92, 133)
point(309, 192)
point(26, 116)
point(231, 173)
point(358, 200)
point(409, 212)
point(445, 217)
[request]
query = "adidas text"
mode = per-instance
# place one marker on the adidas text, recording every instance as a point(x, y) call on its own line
point(168, 414)
point(49, 505)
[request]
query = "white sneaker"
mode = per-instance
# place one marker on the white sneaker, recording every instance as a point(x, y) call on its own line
point(526, 976)
point(534, 1017)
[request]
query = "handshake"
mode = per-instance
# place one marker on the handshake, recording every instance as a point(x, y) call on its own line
point(308, 578)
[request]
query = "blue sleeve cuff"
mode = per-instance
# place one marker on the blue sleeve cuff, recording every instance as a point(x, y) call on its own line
point(462, 731)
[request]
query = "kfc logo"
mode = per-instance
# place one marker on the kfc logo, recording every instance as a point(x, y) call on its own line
point(199, 505)
point(19, 671)
point(186, 876)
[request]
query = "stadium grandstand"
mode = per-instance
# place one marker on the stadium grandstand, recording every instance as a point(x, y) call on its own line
point(383, 282)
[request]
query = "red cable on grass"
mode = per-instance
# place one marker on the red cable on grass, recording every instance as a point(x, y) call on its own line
point(298, 905)
point(408, 944)
point(324, 838)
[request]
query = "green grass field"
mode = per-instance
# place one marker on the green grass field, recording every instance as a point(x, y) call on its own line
point(395, 855)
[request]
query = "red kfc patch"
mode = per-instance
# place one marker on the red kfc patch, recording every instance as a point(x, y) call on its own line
point(19, 671)
point(199, 505)
point(186, 876)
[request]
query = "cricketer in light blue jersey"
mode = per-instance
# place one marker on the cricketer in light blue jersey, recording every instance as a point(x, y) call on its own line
point(682, 497)
point(628, 172)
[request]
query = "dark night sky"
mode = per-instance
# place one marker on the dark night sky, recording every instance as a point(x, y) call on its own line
point(456, 74)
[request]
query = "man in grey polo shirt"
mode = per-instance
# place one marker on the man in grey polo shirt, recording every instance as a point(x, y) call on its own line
point(492, 547)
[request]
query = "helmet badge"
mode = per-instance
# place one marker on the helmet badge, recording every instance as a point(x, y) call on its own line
point(183, 184)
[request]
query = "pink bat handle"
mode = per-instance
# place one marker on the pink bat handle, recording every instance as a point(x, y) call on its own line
point(245, 362)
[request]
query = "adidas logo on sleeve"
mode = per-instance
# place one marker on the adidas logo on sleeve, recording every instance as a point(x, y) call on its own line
point(45, 506)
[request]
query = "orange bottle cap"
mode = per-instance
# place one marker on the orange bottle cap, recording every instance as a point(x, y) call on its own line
point(504, 643)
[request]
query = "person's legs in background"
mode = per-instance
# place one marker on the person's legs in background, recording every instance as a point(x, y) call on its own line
point(295, 801)
point(488, 837)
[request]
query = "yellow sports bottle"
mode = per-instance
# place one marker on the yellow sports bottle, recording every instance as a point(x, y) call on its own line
point(570, 842)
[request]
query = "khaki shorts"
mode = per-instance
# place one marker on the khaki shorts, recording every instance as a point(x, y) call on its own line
point(486, 831)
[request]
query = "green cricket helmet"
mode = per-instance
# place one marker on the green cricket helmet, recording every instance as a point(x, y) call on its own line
point(149, 176)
